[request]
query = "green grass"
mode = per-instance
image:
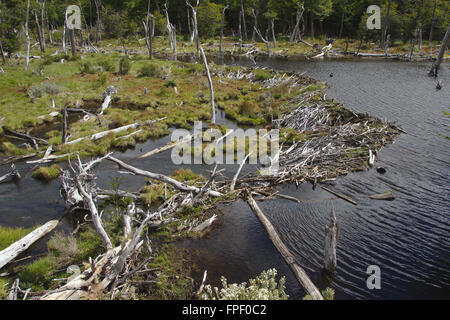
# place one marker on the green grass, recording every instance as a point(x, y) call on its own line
point(37, 275)
point(47, 173)
point(4, 286)
point(10, 235)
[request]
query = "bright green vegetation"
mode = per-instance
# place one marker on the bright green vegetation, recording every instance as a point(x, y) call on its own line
point(169, 280)
point(263, 287)
point(10, 235)
point(176, 90)
point(3, 288)
point(327, 294)
point(47, 173)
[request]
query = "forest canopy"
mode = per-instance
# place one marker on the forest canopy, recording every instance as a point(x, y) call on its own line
point(326, 18)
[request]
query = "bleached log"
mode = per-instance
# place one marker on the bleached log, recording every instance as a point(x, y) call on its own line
point(160, 177)
point(233, 182)
point(371, 158)
point(167, 147)
point(102, 134)
point(14, 250)
point(211, 87)
point(388, 195)
point(299, 273)
point(204, 227)
point(13, 174)
point(331, 237)
point(340, 195)
point(94, 214)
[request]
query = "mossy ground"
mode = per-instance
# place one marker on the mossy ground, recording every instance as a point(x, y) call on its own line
point(176, 90)
point(47, 173)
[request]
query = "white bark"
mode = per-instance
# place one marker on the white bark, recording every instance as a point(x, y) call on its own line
point(211, 87)
point(10, 253)
point(331, 236)
point(27, 35)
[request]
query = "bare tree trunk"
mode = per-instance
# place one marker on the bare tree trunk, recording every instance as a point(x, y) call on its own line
point(264, 40)
point(255, 25)
point(211, 88)
point(221, 30)
point(43, 22)
point(296, 32)
point(240, 32)
point(39, 32)
point(49, 31)
point(243, 20)
point(27, 35)
point(436, 65)
point(97, 32)
point(2, 53)
point(272, 23)
point(149, 37)
point(331, 238)
point(194, 18)
point(386, 48)
point(433, 20)
point(73, 44)
point(168, 26)
point(341, 29)
point(64, 48)
point(64, 126)
point(386, 24)
point(312, 27)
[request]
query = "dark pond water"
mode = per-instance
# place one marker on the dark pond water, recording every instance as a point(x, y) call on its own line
point(407, 238)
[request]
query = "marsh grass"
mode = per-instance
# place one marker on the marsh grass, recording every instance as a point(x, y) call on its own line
point(47, 173)
point(10, 235)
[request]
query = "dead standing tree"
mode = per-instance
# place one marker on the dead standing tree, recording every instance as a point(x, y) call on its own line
point(171, 32)
point(211, 88)
point(149, 30)
point(296, 33)
point(436, 65)
point(195, 26)
point(331, 238)
point(264, 40)
point(27, 35)
point(221, 29)
point(98, 5)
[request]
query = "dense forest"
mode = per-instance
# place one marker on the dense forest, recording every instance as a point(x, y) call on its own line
point(406, 19)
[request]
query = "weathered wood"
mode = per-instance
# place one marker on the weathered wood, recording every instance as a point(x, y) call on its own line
point(64, 126)
point(27, 36)
point(340, 195)
point(388, 195)
point(14, 250)
point(221, 29)
point(167, 147)
point(436, 65)
point(299, 273)
point(14, 174)
point(32, 139)
point(331, 238)
point(211, 87)
point(233, 182)
point(160, 177)
point(2, 53)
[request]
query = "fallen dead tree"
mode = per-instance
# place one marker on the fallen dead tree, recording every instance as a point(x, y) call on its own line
point(9, 254)
point(115, 265)
point(14, 174)
point(299, 273)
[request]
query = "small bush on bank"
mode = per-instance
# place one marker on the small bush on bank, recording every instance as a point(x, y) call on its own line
point(263, 287)
point(150, 70)
point(47, 173)
point(42, 89)
point(125, 66)
point(262, 75)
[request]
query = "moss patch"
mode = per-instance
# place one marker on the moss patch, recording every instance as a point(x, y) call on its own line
point(47, 173)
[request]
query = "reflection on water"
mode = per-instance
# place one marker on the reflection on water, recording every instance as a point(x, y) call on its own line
point(408, 238)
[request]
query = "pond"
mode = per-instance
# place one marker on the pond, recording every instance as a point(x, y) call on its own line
point(407, 238)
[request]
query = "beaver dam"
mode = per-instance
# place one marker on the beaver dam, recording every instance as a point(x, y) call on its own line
point(121, 253)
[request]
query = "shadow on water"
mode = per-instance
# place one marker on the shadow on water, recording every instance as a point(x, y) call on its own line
point(408, 238)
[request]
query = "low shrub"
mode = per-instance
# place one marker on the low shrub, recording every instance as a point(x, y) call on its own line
point(125, 66)
point(42, 89)
point(262, 75)
point(150, 70)
point(47, 173)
